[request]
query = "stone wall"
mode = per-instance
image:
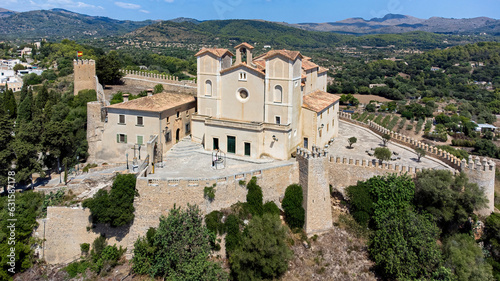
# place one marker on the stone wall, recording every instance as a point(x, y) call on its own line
point(170, 83)
point(95, 129)
point(84, 72)
point(482, 173)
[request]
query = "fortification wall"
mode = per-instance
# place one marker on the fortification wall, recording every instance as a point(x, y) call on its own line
point(84, 72)
point(170, 83)
point(480, 172)
point(95, 129)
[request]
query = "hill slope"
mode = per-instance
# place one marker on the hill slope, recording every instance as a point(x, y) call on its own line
point(59, 23)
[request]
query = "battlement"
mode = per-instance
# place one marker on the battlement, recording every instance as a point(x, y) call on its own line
point(154, 76)
point(83, 62)
point(477, 164)
point(316, 152)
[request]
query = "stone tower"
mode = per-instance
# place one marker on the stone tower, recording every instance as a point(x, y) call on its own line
point(482, 173)
point(313, 177)
point(85, 78)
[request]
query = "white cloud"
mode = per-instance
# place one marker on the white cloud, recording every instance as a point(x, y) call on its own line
point(127, 5)
point(144, 11)
point(68, 4)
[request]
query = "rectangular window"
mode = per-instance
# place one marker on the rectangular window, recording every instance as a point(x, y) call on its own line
point(168, 119)
point(140, 121)
point(215, 143)
point(178, 114)
point(121, 138)
point(306, 143)
point(121, 119)
point(278, 120)
point(231, 144)
point(188, 129)
point(140, 139)
point(247, 149)
point(168, 136)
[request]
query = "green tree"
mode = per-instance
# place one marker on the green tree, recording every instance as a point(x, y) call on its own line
point(450, 199)
point(254, 197)
point(41, 98)
point(292, 205)
point(420, 153)
point(158, 89)
point(9, 103)
point(108, 68)
point(6, 153)
point(117, 206)
point(179, 249)
point(263, 252)
point(18, 67)
point(360, 202)
point(386, 138)
point(351, 141)
point(382, 154)
point(233, 237)
point(466, 259)
point(26, 108)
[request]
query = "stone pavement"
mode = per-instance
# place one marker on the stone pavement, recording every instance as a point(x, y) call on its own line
point(368, 140)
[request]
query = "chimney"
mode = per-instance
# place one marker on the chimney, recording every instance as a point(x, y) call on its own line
point(150, 92)
point(125, 97)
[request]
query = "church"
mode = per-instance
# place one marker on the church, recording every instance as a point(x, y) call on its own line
point(264, 106)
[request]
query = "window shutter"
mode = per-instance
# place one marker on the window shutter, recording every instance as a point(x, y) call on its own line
point(118, 138)
point(125, 138)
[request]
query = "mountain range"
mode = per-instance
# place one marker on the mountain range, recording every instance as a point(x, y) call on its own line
point(59, 23)
point(394, 23)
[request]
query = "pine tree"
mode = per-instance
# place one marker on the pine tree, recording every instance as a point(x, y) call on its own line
point(25, 111)
point(9, 103)
point(41, 98)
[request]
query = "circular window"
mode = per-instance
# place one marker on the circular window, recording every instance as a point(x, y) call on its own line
point(243, 94)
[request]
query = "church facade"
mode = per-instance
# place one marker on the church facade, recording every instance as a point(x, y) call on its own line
point(264, 106)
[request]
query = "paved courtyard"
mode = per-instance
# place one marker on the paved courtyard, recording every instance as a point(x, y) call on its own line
point(368, 140)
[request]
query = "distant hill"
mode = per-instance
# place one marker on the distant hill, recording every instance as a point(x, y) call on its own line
point(60, 23)
point(181, 19)
point(394, 23)
point(6, 13)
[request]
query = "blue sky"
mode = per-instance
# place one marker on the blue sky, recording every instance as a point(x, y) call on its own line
point(292, 11)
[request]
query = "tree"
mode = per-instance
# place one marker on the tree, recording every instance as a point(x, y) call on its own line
point(351, 141)
point(382, 154)
point(450, 199)
point(158, 89)
point(420, 153)
point(6, 153)
point(233, 237)
point(178, 249)
point(117, 206)
point(404, 245)
point(26, 108)
point(263, 252)
point(386, 138)
point(18, 67)
point(370, 107)
point(254, 197)
point(9, 103)
point(108, 68)
point(292, 205)
point(466, 259)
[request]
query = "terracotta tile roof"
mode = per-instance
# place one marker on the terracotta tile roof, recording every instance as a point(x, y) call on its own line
point(260, 64)
point(245, 45)
point(216, 52)
point(322, 69)
point(156, 103)
point(308, 65)
point(243, 64)
point(318, 100)
point(293, 55)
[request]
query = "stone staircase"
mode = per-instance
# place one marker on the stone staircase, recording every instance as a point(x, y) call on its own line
point(184, 148)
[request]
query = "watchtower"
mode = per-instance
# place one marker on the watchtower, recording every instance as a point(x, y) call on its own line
point(313, 177)
point(482, 173)
point(85, 77)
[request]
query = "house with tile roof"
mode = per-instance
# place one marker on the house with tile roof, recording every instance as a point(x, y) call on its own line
point(263, 106)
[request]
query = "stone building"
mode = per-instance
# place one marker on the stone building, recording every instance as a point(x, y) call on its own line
point(262, 106)
point(85, 76)
point(163, 118)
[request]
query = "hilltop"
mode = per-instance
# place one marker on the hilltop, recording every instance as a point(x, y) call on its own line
point(60, 23)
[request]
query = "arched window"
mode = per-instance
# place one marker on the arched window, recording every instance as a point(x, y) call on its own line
point(208, 88)
point(278, 94)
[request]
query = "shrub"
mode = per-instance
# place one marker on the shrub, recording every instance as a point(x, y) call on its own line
point(117, 206)
point(418, 128)
point(214, 222)
point(271, 208)
point(463, 142)
point(254, 197)
point(409, 127)
point(84, 248)
point(393, 123)
point(361, 204)
point(292, 205)
point(209, 192)
point(386, 120)
point(233, 237)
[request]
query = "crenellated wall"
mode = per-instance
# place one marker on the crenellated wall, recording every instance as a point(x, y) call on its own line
point(480, 172)
point(169, 82)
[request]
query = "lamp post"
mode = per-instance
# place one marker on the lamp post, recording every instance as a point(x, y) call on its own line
point(127, 159)
point(140, 151)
